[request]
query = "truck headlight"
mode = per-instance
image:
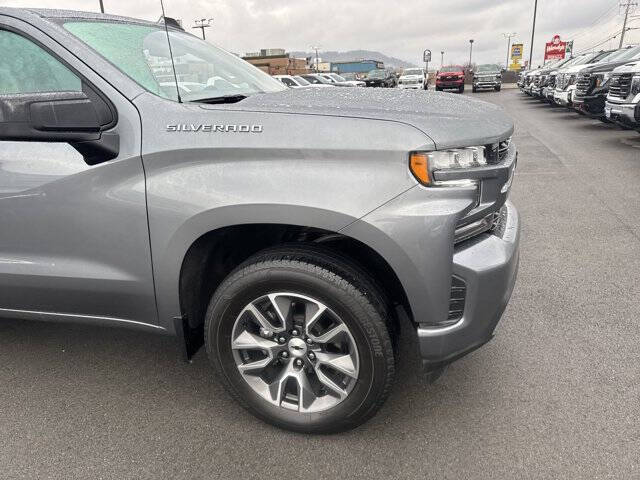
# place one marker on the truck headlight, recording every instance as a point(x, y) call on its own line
point(635, 85)
point(424, 164)
point(602, 79)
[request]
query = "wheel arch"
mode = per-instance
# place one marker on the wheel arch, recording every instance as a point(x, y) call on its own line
point(213, 254)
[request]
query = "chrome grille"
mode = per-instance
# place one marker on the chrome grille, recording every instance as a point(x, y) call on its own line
point(620, 86)
point(551, 82)
point(584, 84)
point(497, 152)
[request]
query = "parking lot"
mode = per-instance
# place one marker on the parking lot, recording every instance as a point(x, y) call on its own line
point(554, 395)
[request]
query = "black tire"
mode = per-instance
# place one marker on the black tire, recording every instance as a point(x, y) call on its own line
point(318, 273)
point(474, 89)
point(461, 89)
point(498, 88)
point(438, 89)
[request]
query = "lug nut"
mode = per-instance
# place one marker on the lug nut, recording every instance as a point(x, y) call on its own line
point(299, 362)
point(309, 341)
point(284, 354)
point(282, 340)
point(312, 355)
point(265, 333)
point(294, 333)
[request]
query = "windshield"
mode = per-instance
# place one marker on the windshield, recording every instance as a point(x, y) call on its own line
point(488, 68)
point(141, 51)
point(337, 77)
point(301, 81)
point(412, 71)
point(316, 79)
point(630, 54)
point(451, 68)
point(377, 74)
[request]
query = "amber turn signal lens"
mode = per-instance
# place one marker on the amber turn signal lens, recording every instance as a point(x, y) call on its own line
point(419, 166)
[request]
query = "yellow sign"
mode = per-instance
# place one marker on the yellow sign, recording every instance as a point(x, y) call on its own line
point(515, 67)
point(516, 51)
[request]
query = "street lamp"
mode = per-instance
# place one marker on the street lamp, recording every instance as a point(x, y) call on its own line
point(442, 59)
point(508, 36)
point(316, 48)
point(101, 7)
point(470, 51)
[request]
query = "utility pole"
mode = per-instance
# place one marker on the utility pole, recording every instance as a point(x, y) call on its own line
point(101, 7)
point(533, 31)
point(316, 48)
point(626, 17)
point(470, 51)
point(202, 24)
point(508, 36)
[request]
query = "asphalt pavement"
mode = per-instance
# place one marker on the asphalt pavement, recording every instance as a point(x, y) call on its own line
point(555, 395)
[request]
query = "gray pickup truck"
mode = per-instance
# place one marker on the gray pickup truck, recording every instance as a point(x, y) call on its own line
point(151, 180)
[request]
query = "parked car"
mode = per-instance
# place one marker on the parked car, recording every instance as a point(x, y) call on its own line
point(623, 100)
point(350, 77)
point(381, 78)
point(413, 78)
point(296, 81)
point(450, 77)
point(288, 250)
point(566, 77)
point(487, 76)
point(340, 81)
point(317, 79)
point(592, 86)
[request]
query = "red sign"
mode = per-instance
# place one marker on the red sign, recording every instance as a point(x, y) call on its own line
point(555, 49)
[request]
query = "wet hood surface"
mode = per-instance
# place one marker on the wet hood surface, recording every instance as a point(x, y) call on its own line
point(450, 120)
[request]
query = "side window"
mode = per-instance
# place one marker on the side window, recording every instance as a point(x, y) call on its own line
point(30, 69)
point(288, 82)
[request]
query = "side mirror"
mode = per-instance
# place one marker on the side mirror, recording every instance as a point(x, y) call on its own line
point(503, 70)
point(78, 118)
point(471, 70)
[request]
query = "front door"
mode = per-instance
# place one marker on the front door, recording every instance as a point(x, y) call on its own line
point(74, 238)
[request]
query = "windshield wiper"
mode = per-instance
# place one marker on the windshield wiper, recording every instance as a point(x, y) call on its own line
point(221, 99)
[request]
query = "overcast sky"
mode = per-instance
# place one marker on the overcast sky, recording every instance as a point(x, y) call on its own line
point(400, 28)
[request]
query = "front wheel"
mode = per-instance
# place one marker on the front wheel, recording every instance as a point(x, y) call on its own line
point(461, 89)
point(300, 338)
point(498, 87)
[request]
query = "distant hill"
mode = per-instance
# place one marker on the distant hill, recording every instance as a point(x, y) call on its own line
point(355, 55)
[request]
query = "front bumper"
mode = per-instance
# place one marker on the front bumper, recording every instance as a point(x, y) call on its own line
point(449, 83)
point(489, 266)
point(563, 97)
point(486, 83)
point(591, 105)
point(624, 113)
point(411, 86)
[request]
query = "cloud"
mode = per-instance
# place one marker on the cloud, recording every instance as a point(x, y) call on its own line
point(401, 29)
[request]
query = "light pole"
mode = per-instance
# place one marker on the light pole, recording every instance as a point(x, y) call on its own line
point(442, 59)
point(202, 24)
point(533, 31)
point(508, 36)
point(316, 48)
point(470, 51)
point(101, 7)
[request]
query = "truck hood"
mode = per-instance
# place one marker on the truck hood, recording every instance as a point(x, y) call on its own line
point(449, 120)
point(605, 67)
point(633, 67)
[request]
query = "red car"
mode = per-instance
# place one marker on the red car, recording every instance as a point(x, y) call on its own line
point(450, 76)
